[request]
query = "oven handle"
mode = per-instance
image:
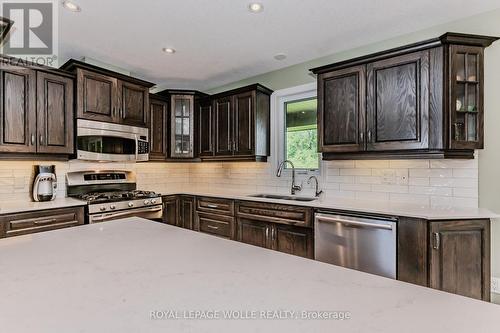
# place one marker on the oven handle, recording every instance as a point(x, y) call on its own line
point(128, 212)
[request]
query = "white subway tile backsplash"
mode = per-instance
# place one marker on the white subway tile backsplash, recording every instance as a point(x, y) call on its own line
point(424, 182)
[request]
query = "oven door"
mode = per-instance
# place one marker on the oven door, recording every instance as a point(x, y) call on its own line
point(151, 213)
point(97, 141)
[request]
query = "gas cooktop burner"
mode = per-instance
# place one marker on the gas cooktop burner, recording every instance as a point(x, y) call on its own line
point(100, 197)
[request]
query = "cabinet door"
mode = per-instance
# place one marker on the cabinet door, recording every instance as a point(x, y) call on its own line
point(133, 104)
point(466, 102)
point(293, 240)
point(398, 103)
point(460, 257)
point(205, 128)
point(171, 210)
point(244, 124)
point(17, 110)
point(223, 128)
point(182, 123)
point(341, 110)
point(254, 232)
point(96, 96)
point(55, 114)
point(186, 213)
point(158, 129)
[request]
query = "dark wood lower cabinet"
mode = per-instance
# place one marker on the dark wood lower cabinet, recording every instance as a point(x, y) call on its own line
point(32, 222)
point(186, 212)
point(460, 258)
point(170, 209)
point(283, 238)
point(452, 256)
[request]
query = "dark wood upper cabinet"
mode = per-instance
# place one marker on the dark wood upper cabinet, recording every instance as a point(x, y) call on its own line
point(466, 101)
point(223, 126)
point(55, 114)
point(244, 126)
point(460, 257)
point(17, 110)
point(96, 96)
point(105, 95)
point(158, 130)
point(341, 110)
point(182, 126)
point(398, 103)
point(133, 104)
point(424, 100)
point(36, 111)
point(205, 128)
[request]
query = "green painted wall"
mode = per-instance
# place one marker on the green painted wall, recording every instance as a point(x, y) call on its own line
point(489, 158)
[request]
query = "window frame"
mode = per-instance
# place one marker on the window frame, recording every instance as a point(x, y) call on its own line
point(278, 100)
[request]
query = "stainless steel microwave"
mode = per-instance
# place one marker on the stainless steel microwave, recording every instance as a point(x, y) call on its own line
point(99, 141)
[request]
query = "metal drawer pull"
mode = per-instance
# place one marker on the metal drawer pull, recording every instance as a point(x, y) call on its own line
point(353, 222)
point(41, 227)
point(212, 227)
point(212, 206)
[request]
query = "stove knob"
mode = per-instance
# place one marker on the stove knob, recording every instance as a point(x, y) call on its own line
point(112, 207)
point(131, 204)
point(153, 201)
point(147, 202)
point(102, 208)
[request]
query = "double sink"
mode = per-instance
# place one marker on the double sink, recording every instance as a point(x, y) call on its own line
point(283, 197)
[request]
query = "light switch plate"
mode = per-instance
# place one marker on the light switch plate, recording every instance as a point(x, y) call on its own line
point(495, 285)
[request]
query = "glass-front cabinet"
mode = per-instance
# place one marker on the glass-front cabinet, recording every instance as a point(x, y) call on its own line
point(182, 126)
point(466, 103)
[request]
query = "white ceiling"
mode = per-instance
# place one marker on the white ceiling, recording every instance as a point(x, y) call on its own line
point(220, 41)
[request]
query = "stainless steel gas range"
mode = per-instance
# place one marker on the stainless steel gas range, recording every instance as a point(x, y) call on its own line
point(113, 194)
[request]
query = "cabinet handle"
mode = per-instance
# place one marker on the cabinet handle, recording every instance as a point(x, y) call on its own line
point(212, 206)
point(33, 139)
point(362, 137)
point(267, 232)
point(273, 234)
point(370, 136)
point(212, 227)
point(437, 241)
point(41, 139)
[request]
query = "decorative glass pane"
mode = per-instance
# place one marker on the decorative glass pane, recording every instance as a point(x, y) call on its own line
point(460, 95)
point(178, 145)
point(185, 145)
point(471, 127)
point(178, 126)
point(185, 126)
point(301, 140)
point(459, 128)
point(178, 107)
point(471, 98)
point(186, 107)
point(460, 61)
point(472, 68)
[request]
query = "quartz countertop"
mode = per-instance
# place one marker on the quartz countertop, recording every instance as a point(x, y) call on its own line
point(19, 206)
point(357, 205)
point(116, 276)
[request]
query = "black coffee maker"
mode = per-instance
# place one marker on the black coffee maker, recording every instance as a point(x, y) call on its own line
point(44, 183)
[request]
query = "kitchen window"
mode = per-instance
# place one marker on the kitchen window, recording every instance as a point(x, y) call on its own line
point(297, 136)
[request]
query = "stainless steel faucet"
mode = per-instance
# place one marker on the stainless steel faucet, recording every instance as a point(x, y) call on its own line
point(294, 188)
point(317, 191)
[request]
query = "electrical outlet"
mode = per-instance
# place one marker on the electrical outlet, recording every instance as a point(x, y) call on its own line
point(495, 285)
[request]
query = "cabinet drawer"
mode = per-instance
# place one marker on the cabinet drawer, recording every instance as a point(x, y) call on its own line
point(215, 206)
point(294, 215)
point(27, 223)
point(215, 224)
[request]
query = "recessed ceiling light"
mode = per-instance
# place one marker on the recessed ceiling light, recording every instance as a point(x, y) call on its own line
point(280, 56)
point(255, 7)
point(70, 5)
point(168, 50)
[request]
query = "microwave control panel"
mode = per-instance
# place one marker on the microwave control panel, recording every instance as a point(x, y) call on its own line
point(143, 147)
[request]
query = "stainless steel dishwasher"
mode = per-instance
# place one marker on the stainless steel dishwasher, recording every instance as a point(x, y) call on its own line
point(364, 243)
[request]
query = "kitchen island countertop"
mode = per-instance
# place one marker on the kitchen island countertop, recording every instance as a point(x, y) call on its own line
point(117, 276)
